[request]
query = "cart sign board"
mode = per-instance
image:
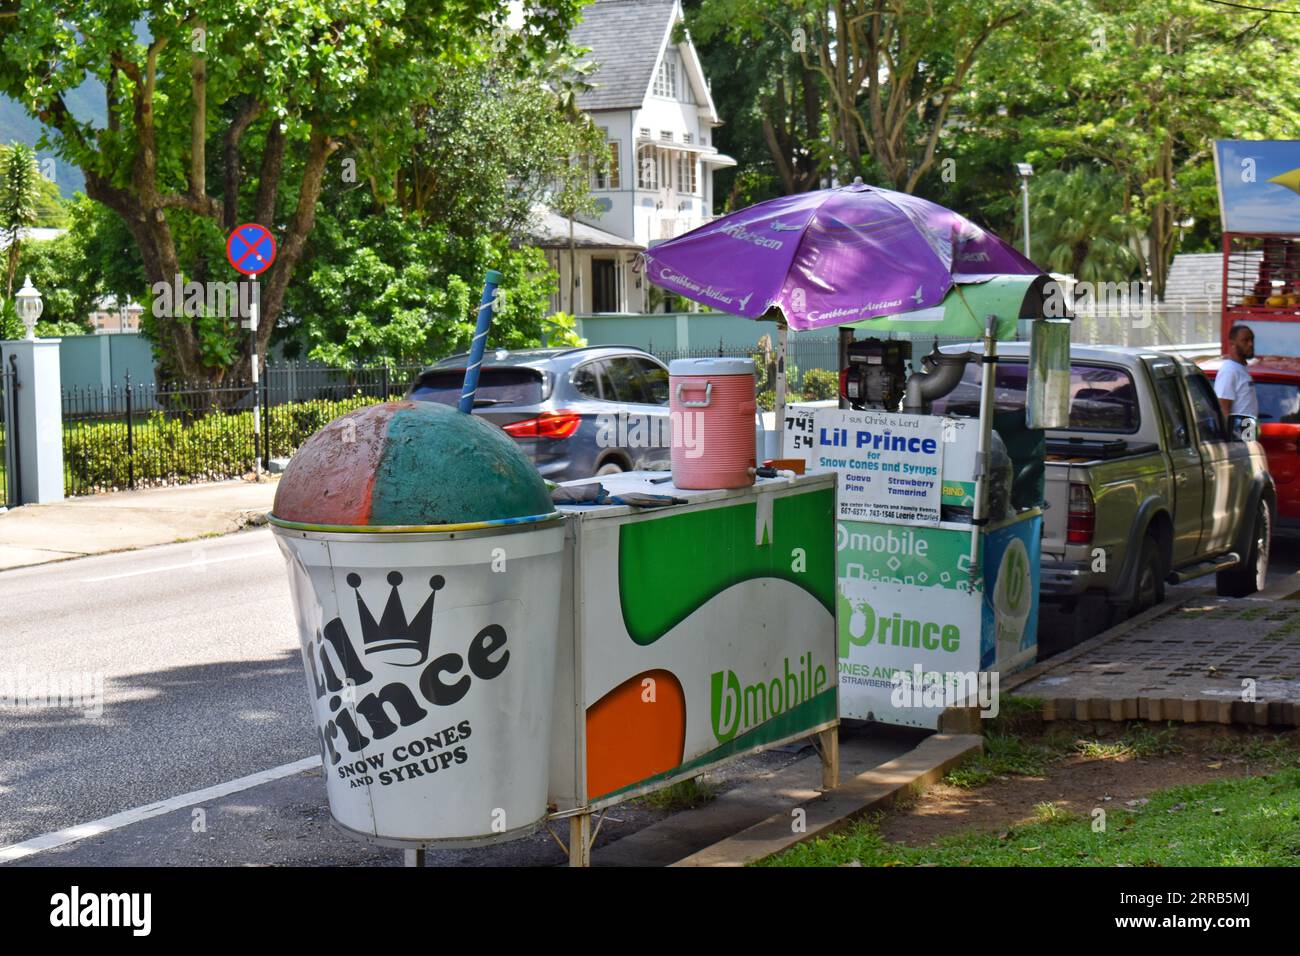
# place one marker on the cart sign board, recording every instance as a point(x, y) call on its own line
point(692, 634)
point(811, 432)
point(1259, 185)
point(890, 465)
point(910, 610)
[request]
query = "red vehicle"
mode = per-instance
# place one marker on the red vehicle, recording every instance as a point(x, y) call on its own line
point(1277, 385)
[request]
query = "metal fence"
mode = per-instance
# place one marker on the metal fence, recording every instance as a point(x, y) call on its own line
point(802, 355)
point(138, 434)
point(1162, 323)
point(9, 465)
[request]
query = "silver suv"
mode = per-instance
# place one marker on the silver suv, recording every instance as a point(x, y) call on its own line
point(576, 411)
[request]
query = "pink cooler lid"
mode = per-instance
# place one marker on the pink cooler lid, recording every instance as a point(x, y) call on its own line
point(711, 366)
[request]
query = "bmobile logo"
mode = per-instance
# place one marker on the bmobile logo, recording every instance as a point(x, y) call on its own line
point(734, 708)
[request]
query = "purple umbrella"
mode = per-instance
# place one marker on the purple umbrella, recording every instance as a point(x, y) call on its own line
point(832, 257)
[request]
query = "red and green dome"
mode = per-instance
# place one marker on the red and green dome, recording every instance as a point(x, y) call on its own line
point(408, 465)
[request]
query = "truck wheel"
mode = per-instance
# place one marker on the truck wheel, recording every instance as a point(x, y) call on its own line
point(1251, 575)
point(1151, 577)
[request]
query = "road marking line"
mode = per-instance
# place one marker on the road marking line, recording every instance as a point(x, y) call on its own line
point(48, 841)
point(175, 567)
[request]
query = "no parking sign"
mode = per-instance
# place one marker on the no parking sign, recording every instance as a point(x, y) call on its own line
point(251, 249)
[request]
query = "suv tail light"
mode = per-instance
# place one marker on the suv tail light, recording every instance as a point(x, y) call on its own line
point(1082, 517)
point(559, 424)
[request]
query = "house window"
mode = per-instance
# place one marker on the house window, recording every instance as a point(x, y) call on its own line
point(666, 78)
point(665, 168)
point(686, 173)
point(666, 135)
point(688, 138)
point(643, 132)
point(609, 179)
point(647, 168)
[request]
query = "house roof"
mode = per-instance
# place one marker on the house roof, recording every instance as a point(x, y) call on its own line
point(1194, 275)
point(550, 230)
point(626, 38)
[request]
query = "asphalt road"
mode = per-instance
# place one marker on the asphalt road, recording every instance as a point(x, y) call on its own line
point(202, 681)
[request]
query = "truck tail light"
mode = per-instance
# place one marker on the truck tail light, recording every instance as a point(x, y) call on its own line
point(1083, 515)
point(559, 424)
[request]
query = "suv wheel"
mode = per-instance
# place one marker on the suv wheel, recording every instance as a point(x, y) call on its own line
point(1252, 574)
point(610, 467)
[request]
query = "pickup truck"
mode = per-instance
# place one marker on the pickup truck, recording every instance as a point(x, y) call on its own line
point(1148, 485)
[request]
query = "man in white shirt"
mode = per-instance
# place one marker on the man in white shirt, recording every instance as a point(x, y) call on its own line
point(1232, 383)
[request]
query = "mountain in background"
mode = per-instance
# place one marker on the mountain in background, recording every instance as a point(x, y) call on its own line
point(86, 103)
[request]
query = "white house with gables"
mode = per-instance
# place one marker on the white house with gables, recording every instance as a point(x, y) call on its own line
point(651, 99)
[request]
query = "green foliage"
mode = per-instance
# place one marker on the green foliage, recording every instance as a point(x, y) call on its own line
point(94, 258)
point(1116, 104)
point(18, 195)
point(1253, 821)
point(290, 88)
point(381, 286)
point(178, 449)
point(47, 205)
point(820, 384)
point(1002, 756)
point(683, 795)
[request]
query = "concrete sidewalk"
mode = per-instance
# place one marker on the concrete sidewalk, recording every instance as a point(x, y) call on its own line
point(124, 520)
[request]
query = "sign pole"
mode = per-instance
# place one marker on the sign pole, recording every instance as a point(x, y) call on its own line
point(251, 250)
point(254, 310)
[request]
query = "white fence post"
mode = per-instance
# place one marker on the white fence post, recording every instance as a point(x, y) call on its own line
point(39, 418)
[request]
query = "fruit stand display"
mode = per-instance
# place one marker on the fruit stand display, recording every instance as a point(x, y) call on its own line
point(1259, 199)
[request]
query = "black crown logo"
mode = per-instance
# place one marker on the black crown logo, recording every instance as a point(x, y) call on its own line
point(393, 632)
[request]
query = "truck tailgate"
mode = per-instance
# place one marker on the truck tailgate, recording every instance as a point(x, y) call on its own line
point(1057, 495)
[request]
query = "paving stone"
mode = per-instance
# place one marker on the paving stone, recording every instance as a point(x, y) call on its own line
point(1190, 663)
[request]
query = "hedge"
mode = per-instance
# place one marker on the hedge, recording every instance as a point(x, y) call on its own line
point(180, 449)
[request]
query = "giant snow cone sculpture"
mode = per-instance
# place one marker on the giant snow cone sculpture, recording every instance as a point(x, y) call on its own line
point(424, 563)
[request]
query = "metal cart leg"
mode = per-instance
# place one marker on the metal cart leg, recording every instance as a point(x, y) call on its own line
point(580, 840)
point(829, 751)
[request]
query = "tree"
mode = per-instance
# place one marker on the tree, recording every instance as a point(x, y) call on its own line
point(773, 102)
point(1143, 90)
point(1078, 225)
point(396, 269)
point(875, 80)
point(18, 195)
point(51, 212)
point(275, 89)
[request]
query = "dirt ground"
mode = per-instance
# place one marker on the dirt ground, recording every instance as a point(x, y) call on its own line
point(1077, 783)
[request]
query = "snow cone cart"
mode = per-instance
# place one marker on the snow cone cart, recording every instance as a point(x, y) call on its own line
point(939, 517)
point(940, 508)
point(435, 585)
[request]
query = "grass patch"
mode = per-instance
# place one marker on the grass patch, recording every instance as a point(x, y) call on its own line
point(682, 795)
point(1004, 755)
point(1138, 740)
point(1016, 715)
point(1276, 751)
point(1253, 821)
